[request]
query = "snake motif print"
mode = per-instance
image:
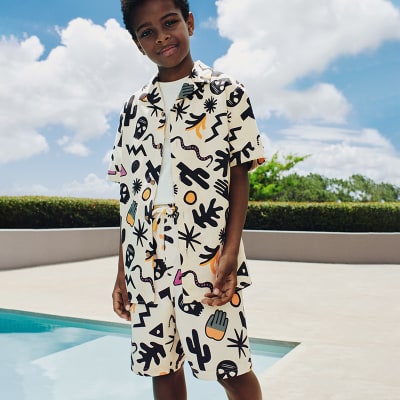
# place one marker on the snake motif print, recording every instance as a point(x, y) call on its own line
point(195, 149)
point(155, 146)
point(147, 280)
point(196, 281)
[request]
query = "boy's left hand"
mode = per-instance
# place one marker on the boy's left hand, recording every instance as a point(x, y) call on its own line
point(225, 282)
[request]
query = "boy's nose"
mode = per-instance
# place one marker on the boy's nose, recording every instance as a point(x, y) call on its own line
point(162, 38)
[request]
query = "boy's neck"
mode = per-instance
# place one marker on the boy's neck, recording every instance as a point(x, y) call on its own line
point(178, 72)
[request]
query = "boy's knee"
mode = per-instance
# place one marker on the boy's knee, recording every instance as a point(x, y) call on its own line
point(170, 386)
point(244, 386)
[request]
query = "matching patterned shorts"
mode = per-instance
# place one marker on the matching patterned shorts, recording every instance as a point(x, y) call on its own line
point(213, 340)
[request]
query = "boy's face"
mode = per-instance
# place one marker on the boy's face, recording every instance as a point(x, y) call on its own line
point(163, 35)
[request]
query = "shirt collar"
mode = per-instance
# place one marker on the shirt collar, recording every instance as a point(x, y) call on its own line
point(200, 74)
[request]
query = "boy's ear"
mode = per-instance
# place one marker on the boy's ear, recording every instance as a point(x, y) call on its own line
point(139, 46)
point(190, 24)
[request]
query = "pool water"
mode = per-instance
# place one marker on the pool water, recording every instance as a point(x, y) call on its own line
point(46, 357)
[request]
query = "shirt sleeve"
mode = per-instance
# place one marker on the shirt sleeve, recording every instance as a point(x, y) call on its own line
point(114, 168)
point(244, 137)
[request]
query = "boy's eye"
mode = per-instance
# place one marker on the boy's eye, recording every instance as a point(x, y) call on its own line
point(171, 22)
point(145, 33)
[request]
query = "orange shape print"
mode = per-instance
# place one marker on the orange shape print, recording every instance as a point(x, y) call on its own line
point(190, 197)
point(216, 325)
point(198, 124)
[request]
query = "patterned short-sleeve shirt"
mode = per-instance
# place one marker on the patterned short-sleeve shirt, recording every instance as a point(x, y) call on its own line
point(212, 128)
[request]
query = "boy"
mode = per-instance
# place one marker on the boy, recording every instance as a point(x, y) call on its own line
point(185, 144)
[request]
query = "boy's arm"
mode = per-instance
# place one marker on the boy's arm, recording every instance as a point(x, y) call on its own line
point(226, 279)
point(120, 295)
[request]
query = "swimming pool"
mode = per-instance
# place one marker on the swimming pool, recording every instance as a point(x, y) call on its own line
point(47, 357)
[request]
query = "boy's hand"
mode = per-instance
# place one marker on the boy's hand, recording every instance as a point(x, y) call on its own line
point(121, 303)
point(225, 282)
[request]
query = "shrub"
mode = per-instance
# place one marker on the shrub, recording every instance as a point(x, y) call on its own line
point(328, 217)
point(57, 212)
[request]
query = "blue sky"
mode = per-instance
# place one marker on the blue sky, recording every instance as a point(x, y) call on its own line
point(323, 82)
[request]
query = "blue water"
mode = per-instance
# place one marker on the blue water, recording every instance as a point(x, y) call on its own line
point(46, 357)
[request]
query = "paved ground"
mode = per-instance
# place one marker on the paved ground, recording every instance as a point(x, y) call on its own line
point(346, 317)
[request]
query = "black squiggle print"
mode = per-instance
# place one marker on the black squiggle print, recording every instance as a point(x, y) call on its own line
point(195, 149)
point(155, 146)
point(196, 281)
point(147, 280)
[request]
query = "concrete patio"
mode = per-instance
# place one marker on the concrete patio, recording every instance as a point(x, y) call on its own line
point(346, 317)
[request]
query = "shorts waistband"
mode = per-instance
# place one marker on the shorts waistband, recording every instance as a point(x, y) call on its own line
point(164, 209)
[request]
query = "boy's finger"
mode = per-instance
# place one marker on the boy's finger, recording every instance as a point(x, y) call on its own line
point(119, 307)
point(219, 283)
point(125, 300)
point(216, 301)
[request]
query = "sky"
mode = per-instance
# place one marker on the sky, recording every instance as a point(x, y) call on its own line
point(323, 77)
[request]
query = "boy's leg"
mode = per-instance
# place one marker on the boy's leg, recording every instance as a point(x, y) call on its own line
point(170, 387)
point(242, 387)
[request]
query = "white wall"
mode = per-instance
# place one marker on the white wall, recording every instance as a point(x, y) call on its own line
point(26, 248)
point(323, 247)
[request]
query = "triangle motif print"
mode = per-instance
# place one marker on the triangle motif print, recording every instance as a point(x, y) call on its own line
point(178, 278)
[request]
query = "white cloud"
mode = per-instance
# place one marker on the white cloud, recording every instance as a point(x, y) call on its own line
point(90, 187)
point(338, 152)
point(321, 102)
point(18, 144)
point(321, 134)
point(77, 86)
point(275, 42)
point(73, 147)
point(209, 23)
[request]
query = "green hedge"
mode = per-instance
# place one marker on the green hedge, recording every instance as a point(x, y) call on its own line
point(58, 212)
point(324, 217)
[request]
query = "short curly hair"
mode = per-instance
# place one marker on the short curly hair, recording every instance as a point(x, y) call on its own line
point(128, 8)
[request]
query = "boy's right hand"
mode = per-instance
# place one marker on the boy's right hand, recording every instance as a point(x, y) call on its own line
point(121, 303)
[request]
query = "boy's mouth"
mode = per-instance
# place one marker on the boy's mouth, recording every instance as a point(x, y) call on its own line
point(168, 50)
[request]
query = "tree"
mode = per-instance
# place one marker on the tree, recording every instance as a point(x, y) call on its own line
point(360, 188)
point(266, 181)
point(312, 187)
point(272, 182)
